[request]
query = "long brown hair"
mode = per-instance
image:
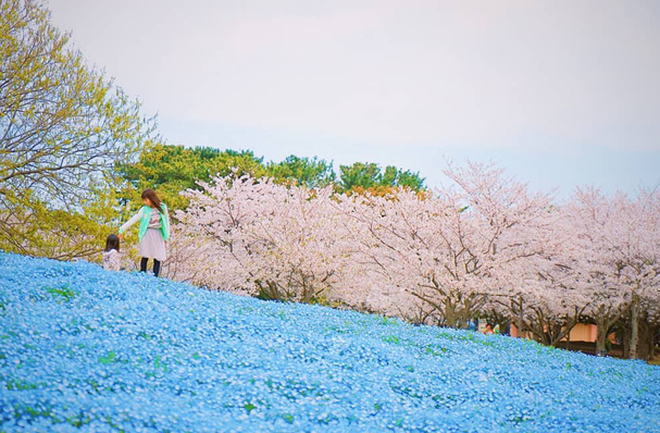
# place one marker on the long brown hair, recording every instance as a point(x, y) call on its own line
point(153, 198)
point(112, 243)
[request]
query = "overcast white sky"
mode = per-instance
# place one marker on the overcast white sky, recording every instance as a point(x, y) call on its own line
point(560, 93)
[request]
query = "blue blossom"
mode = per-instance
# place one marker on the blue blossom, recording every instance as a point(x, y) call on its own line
point(86, 349)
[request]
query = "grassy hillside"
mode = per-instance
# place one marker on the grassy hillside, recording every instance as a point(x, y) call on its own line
point(82, 348)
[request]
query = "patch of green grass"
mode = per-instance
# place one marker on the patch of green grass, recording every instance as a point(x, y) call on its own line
point(79, 420)
point(21, 410)
point(95, 385)
point(336, 329)
point(158, 363)
point(145, 335)
point(388, 320)
point(62, 294)
point(392, 339)
point(468, 336)
point(19, 385)
point(440, 351)
point(109, 358)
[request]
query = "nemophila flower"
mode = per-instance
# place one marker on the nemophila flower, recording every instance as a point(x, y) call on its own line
point(90, 350)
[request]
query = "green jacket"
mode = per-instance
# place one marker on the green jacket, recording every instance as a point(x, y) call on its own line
point(144, 215)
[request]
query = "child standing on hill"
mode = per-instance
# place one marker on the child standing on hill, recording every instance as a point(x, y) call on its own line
point(154, 230)
point(111, 257)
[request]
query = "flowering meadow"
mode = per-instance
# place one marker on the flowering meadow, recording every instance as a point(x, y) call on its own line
point(83, 349)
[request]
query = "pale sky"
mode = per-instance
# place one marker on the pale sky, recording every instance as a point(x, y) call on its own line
point(559, 93)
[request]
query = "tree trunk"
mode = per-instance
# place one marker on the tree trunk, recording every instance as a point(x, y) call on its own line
point(646, 350)
point(601, 338)
point(450, 317)
point(517, 317)
point(625, 339)
point(655, 334)
point(505, 326)
point(645, 340)
point(634, 328)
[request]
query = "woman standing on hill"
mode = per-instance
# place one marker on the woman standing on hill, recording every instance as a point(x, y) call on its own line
point(154, 230)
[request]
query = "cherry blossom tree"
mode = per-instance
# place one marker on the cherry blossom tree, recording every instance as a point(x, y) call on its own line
point(617, 242)
point(514, 228)
point(637, 235)
point(403, 250)
point(451, 251)
point(651, 207)
point(267, 240)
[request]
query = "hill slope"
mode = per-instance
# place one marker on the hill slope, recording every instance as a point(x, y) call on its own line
point(84, 348)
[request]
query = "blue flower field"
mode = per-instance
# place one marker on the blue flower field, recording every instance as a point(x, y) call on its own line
point(83, 349)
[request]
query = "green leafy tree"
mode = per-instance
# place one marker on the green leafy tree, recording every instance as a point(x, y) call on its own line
point(368, 175)
point(312, 173)
point(398, 178)
point(63, 127)
point(363, 175)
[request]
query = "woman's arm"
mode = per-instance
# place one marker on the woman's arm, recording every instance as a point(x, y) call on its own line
point(130, 222)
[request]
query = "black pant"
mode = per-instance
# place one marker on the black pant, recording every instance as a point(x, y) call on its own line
point(143, 265)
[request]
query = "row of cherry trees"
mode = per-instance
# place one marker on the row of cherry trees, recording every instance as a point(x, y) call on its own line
point(484, 247)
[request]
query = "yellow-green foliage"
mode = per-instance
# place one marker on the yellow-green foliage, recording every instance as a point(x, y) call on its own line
point(63, 127)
